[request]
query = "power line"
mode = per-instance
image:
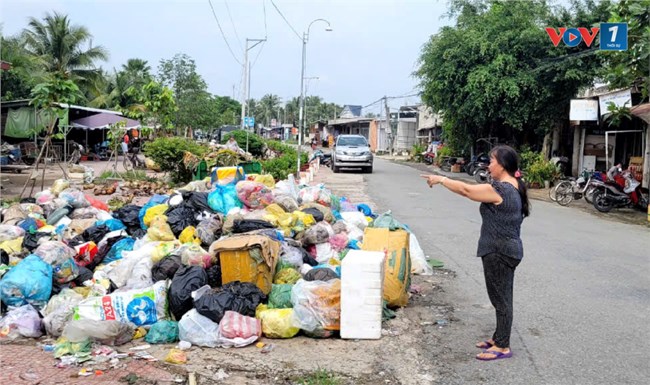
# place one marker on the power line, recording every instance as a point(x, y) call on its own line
point(264, 8)
point(233, 25)
point(258, 54)
point(223, 35)
point(285, 20)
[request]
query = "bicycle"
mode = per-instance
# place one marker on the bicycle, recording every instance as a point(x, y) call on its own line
point(568, 190)
point(132, 161)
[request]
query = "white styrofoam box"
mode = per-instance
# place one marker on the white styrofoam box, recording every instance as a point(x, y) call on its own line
point(362, 282)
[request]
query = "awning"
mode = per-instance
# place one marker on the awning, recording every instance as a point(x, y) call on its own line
point(642, 111)
point(103, 120)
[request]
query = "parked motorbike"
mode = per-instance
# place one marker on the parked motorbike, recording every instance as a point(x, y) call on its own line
point(101, 150)
point(612, 195)
point(325, 159)
point(473, 165)
point(428, 157)
point(481, 173)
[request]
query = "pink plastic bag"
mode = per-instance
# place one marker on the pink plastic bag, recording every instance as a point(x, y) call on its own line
point(339, 241)
point(254, 195)
point(234, 325)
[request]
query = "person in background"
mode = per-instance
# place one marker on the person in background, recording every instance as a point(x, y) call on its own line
point(504, 205)
point(232, 145)
point(125, 144)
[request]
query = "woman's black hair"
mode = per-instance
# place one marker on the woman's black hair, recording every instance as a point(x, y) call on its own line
point(508, 158)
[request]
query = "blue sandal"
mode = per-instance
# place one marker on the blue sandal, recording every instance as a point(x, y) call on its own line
point(497, 355)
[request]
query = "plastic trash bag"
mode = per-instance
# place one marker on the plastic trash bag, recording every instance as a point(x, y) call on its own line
point(185, 281)
point(115, 253)
point(30, 281)
point(354, 233)
point(214, 276)
point(106, 332)
point(155, 200)
point(181, 217)
point(266, 179)
point(242, 297)
point(189, 235)
point(356, 218)
point(326, 212)
point(21, 321)
point(254, 195)
point(95, 233)
point(112, 224)
point(59, 185)
point(318, 233)
point(318, 216)
point(317, 305)
point(419, 263)
point(339, 242)
point(320, 274)
point(197, 201)
point(224, 198)
point(61, 257)
point(194, 255)
point(209, 229)
point(239, 330)
point(59, 311)
point(277, 323)
point(140, 306)
point(291, 255)
point(198, 330)
point(160, 230)
point(280, 296)
point(152, 212)
point(176, 356)
point(129, 216)
point(387, 221)
point(74, 197)
point(325, 253)
point(318, 194)
point(163, 249)
point(286, 202)
point(10, 232)
point(14, 246)
point(162, 332)
point(59, 213)
point(96, 203)
point(166, 268)
point(246, 225)
point(133, 271)
point(287, 275)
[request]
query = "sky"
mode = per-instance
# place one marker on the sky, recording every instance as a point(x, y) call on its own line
point(371, 51)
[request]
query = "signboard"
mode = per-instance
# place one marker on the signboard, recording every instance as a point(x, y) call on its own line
point(584, 110)
point(620, 99)
point(249, 121)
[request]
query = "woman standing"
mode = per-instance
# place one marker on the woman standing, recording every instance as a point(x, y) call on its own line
point(504, 205)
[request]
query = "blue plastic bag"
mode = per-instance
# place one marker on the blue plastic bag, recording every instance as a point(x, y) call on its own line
point(366, 210)
point(224, 198)
point(113, 224)
point(29, 225)
point(30, 281)
point(154, 200)
point(115, 253)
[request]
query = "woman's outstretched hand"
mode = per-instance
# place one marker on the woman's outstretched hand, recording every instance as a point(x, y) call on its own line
point(432, 179)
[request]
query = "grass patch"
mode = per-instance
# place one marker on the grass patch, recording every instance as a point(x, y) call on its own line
point(320, 377)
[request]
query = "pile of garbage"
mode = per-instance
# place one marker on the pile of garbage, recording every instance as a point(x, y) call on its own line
point(216, 268)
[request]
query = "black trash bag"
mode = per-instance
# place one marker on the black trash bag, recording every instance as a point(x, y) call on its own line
point(4, 257)
point(317, 214)
point(320, 274)
point(57, 287)
point(76, 241)
point(129, 215)
point(28, 200)
point(101, 253)
point(246, 225)
point(306, 257)
point(95, 233)
point(85, 274)
point(271, 233)
point(30, 240)
point(180, 217)
point(242, 297)
point(166, 268)
point(197, 201)
point(214, 276)
point(137, 233)
point(185, 281)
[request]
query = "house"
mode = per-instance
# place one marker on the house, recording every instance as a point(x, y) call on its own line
point(350, 111)
point(406, 128)
point(429, 125)
point(349, 121)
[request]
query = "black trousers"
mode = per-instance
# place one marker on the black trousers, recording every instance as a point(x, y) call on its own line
point(499, 273)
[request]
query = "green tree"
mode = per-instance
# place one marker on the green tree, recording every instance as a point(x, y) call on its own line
point(155, 105)
point(625, 68)
point(61, 48)
point(190, 92)
point(17, 82)
point(228, 109)
point(495, 73)
point(269, 106)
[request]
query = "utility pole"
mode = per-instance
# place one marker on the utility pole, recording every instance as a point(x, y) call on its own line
point(389, 126)
point(246, 82)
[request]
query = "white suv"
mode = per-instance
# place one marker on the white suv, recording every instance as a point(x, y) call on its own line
point(352, 151)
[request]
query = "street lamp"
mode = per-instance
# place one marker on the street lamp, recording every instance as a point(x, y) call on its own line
point(305, 38)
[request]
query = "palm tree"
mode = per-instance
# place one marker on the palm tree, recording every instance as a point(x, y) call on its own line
point(137, 72)
point(25, 72)
point(269, 105)
point(60, 48)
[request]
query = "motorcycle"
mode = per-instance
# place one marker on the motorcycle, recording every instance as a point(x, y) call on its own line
point(613, 195)
point(481, 173)
point(476, 161)
point(325, 159)
point(428, 157)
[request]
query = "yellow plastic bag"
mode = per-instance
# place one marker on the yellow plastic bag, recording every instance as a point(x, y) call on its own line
point(163, 249)
point(267, 180)
point(176, 356)
point(152, 212)
point(187, 236)
point(12, 246)
point(159, 230)
point(287, 275)
point(276, 323)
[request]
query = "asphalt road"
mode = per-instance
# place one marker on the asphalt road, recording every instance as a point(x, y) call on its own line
point(582, 292)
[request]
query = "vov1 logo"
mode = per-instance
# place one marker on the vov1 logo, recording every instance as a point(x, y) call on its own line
point(613, 36)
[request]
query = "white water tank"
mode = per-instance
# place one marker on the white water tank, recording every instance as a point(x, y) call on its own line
point(362, 282)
